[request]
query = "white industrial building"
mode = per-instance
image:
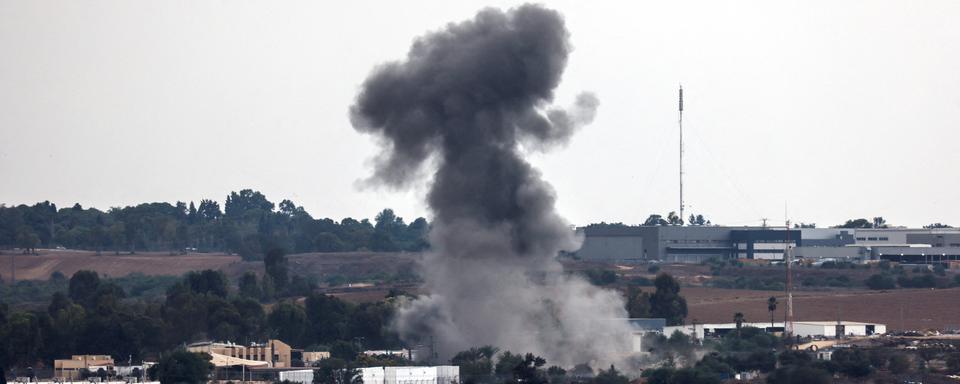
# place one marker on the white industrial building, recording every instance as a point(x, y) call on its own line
point(829, 328)
point(800, 328)
point(302, 376)
point(441, 374)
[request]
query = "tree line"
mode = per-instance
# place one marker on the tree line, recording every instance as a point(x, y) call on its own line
point(94, 316)
point(249, 224)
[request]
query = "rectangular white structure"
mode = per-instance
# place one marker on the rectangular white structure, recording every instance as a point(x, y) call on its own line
point(829, 328)
point(442, 374)
point(372, 375)
point(302, 376)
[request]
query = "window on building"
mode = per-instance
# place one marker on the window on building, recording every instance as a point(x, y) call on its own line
point(861, 238)
point(884, 238)
point(871, 239)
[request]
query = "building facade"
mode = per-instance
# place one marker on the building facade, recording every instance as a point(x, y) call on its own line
point(72, 368)
point(275, 353)
point(694, 244)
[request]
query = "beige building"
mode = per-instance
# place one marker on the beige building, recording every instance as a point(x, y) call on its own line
point(312, 357)
point(70, 368)
point(273, 353)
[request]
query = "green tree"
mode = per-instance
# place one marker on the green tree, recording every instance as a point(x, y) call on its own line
point(673, 219)
point(655, 219)
point(27, 239)
point(898, 363)
point(638, 303)
point(336, 371)
point(856, 223)
point(506, 362)
point(530, 370)
point(288, 322)
point(238, 204)
point(738, 319)
point(344, 350)
point(182, 367)
point(771, 307)
point(208, 282)
point(799, 375)
point(679, 376)
point(275, 264)
point(666, 302)
point(476, 364)
point(880, 282)
point(329, 242)
point(23, 337)
point(253, 319)
point(329, 318)
point(852, 362)
point(83, 287)
point(249, 287)
point(117, 236)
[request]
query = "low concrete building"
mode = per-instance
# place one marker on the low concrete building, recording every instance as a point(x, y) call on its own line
point(301, 376)
point(314, 356)
point(916, 254)
point(275, 353)
point(844, 253)
point(801, 328)
point(640, 327)
point(441, 374)
point(72, 368)
point(692, 244)
point(833, 328)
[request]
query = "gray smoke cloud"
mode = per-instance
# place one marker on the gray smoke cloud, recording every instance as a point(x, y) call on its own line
point(468, 100)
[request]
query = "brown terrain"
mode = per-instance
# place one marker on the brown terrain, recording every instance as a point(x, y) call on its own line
point(40, 266)
point(914, 309)
point(900, 309)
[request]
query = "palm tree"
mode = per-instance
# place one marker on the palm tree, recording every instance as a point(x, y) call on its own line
point(771, 307)
point(738, 318)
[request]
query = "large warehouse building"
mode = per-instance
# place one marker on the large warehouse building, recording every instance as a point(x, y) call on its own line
point(816, 329)
point(693, 244)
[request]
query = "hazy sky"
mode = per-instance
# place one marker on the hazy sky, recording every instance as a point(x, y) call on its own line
point(839, 109)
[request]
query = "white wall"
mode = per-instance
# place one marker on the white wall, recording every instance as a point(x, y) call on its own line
point(302, 376)
point(372, 375)
point(443, 374)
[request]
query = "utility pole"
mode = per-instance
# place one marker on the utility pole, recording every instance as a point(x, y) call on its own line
point(788, 260)
point(680, 124)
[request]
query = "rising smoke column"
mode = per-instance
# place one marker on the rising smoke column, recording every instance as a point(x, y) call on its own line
point(468, 100)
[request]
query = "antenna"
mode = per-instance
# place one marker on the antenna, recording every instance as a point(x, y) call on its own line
point(680, 124)
point(788, 261)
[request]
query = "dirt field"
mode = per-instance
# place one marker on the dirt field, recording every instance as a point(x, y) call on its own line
point(39, 267)
point(920, 308)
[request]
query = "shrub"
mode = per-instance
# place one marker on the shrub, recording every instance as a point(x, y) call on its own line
point(922, 281)
point(880, 281)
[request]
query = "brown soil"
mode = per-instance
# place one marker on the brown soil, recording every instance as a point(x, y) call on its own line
point(39, 267)
point(350, 264)
point(916, 309)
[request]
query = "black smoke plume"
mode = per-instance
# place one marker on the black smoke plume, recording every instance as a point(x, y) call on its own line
point(468, 101)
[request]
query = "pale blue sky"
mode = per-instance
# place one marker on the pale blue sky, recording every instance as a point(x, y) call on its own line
point(839, 108)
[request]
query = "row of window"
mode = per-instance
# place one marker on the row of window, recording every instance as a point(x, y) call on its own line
point(880, 238)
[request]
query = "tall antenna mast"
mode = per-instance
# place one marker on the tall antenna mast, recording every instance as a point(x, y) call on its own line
point(680, 123)
point(788, 260)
